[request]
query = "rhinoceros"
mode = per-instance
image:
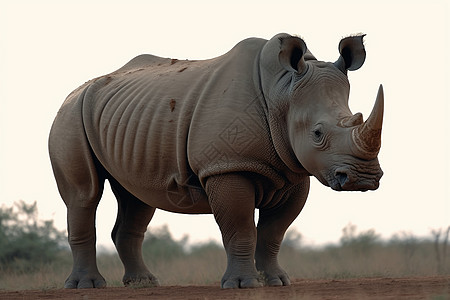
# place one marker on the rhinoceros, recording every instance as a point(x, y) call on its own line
point(225, 136)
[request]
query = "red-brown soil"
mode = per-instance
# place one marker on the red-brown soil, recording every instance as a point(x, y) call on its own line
point(361, 288)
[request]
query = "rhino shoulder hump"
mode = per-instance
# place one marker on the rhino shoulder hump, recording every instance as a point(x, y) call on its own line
point(142, 61)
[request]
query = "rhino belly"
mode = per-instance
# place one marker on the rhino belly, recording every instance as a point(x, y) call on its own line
point(179, 198)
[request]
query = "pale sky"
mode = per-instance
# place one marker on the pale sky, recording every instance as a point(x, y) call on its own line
point(49, 48)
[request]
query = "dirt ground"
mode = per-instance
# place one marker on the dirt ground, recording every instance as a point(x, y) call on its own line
point(363, 288)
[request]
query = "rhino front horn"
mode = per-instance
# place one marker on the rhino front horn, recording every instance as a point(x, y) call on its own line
point(367, 136)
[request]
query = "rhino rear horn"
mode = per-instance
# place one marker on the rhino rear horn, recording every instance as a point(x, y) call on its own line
point(367, 137)
point(352, 53)
point(292, 53)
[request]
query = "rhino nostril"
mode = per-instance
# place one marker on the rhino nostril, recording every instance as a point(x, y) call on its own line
point(341, 177)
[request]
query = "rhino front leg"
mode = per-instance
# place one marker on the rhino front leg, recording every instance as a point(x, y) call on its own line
point(232, 200)
point(272, 225)
point(133, 217)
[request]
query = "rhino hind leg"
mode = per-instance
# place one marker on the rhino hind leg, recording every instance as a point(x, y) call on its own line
point(81, 186)
point(81, 227)
point(133, 217)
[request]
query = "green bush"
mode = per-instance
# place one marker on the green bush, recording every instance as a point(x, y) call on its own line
point(208, 248)
point(159, 245)
point(359, 243)
point(26, 242)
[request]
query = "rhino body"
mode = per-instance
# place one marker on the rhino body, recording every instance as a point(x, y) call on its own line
point(222, 136)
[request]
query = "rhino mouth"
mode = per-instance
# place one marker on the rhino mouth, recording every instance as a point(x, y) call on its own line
point(351, 178)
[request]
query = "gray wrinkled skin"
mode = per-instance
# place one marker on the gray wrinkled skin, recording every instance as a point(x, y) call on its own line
point(224, 136)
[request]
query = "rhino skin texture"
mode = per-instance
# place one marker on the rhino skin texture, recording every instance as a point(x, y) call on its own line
point(224, 136)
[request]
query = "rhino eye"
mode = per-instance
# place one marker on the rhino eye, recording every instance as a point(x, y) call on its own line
point(318, 134)
point(318, 137)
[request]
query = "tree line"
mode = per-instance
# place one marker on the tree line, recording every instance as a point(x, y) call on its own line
point(27, 243)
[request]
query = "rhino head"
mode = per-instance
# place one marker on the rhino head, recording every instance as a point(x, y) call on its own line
point(310, 98)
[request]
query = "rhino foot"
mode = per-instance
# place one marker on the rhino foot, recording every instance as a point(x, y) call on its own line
point(275, 278)
point(84, 280)
point(240, 282)
point(140, 280)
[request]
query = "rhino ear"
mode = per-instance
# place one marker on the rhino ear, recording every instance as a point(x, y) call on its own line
point(352, 53)
point(292, 53)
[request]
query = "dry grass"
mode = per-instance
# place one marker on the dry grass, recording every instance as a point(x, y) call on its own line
point(192, 269)
point(48, 277)
point(207, 267)
point(378, 261)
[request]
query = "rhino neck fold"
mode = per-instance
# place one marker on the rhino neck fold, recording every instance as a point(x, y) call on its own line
point(275, 84)
point(277, 112)
point(280, 138)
